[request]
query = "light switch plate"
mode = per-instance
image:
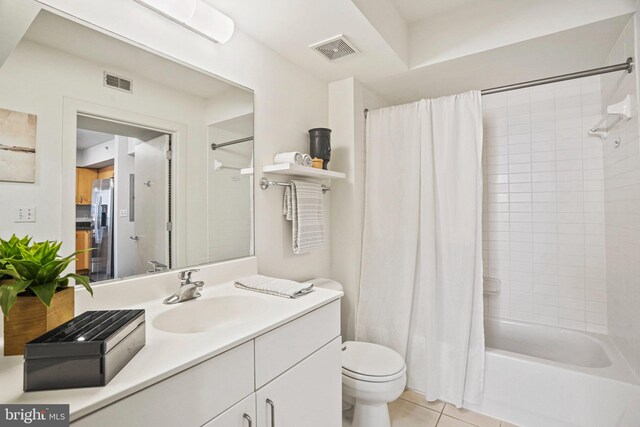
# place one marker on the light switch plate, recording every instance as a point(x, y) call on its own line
point(25, 214)
point(124, 213)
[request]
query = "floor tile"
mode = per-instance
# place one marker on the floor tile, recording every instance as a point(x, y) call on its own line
point(407, 414)
point(470, 416)
point(447, 421)
point(418, 399)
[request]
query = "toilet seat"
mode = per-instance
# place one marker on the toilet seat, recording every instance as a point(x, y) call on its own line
point(371, 362)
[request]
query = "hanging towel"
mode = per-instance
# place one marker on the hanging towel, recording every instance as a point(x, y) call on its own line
point(273, 286)
point(289, 157)
point(303, 207)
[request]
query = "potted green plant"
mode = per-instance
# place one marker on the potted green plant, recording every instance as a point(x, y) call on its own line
point(39, 298)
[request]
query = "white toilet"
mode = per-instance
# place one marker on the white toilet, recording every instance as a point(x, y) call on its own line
point(372, 376)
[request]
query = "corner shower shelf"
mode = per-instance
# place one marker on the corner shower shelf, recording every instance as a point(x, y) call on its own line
point(306, 171)
point(619, 112)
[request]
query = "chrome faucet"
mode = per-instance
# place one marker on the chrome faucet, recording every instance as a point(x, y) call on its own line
point(187, 290)
point(157, 266)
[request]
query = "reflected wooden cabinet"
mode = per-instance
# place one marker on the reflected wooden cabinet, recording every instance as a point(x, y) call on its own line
point(83, 242)
point(84, 181)
point(106, 172)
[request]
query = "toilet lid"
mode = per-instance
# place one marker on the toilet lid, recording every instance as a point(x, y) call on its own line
point(371, 361)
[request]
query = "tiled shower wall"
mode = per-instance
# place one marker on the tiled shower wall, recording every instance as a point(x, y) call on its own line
point(543, 216)
point(622, 207)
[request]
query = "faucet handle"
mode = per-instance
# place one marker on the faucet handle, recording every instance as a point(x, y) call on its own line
point(186, 274)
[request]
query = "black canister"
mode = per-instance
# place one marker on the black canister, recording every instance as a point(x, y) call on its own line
point(320, 145)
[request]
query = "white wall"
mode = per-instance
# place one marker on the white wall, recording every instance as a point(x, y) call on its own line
point(543, 231)
point(622, 206)
point(347, 100)
point(288, 102)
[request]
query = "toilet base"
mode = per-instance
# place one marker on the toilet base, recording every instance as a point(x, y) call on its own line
point(371, 414)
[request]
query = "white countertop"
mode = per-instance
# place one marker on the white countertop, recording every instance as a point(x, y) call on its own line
point(165, 353)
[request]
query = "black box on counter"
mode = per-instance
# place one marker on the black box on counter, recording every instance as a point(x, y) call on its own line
point(87, 351)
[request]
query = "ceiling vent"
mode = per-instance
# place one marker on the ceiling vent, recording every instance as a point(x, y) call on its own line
point(117, 82)
point(335, 48)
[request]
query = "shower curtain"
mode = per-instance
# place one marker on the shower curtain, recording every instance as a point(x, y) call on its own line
point(421, 279)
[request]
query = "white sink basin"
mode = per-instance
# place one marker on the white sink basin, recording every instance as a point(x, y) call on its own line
point(203, 315)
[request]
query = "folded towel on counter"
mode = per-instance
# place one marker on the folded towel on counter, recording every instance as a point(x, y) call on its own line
point(307, 160)
point(289, 157)
point(303, 206)
point(273, 286)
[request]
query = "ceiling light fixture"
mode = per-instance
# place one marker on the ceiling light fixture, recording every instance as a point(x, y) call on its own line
point(195, 15)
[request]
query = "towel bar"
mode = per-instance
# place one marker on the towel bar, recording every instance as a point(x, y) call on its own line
point(265, 183)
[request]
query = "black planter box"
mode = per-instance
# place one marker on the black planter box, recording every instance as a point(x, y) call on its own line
point(87, 351)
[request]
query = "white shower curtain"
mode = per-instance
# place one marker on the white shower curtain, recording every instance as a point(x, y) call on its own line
point(421, 281)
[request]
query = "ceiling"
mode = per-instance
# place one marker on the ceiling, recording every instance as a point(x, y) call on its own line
point(414, 11)
point(95, 129)
point(88, 138)
point(422, 48)
point(67, 36)
point(546, 56)
point(290, 26)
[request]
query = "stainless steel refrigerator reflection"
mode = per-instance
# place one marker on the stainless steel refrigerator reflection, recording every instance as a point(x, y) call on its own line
point(102, 240)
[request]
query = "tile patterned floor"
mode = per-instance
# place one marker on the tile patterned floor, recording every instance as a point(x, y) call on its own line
point(411, 410)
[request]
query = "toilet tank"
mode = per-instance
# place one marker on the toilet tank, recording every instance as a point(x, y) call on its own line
point(323, 282)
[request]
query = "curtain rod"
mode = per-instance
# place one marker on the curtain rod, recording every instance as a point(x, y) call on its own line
point(625, 66)
point(235, 141)
point(628, 66)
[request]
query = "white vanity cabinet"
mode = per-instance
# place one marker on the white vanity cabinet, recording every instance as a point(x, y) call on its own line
point(289, 376)
point(309, 394)
point(189, 398)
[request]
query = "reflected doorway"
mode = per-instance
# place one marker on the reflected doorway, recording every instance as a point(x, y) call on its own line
point(123, 199)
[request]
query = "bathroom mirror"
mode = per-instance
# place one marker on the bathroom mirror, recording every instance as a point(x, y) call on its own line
point(144, 162)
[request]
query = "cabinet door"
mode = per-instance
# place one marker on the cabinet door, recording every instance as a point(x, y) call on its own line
point(243, 414)
point(84, 181)
point(309, 394)
point(106, 172)
point(83, 242)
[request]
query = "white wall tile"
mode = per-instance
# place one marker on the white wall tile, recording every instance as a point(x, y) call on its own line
point(542, 199)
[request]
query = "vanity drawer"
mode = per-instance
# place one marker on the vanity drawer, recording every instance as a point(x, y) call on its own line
point(280, 349)
point(190, 398)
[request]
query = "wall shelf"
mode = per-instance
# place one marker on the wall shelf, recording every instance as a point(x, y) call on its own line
point(305, 171)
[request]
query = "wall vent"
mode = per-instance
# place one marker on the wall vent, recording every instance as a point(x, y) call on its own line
point(335, 48)
point(117, 82)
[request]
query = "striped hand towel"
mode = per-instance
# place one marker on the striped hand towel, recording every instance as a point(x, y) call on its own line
point(270, 285)
point(303, 207)
point(289, 157)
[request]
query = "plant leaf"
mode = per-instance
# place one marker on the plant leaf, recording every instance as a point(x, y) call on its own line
point(83, 280)
point(45, 292)
point(9, 272)
point(9, 293)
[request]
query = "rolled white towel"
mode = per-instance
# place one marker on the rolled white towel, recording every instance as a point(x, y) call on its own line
point(307, 159)
point(289, 157)
point(273, 286)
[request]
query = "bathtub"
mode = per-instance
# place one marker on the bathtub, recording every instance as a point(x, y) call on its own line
point(541, 376)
